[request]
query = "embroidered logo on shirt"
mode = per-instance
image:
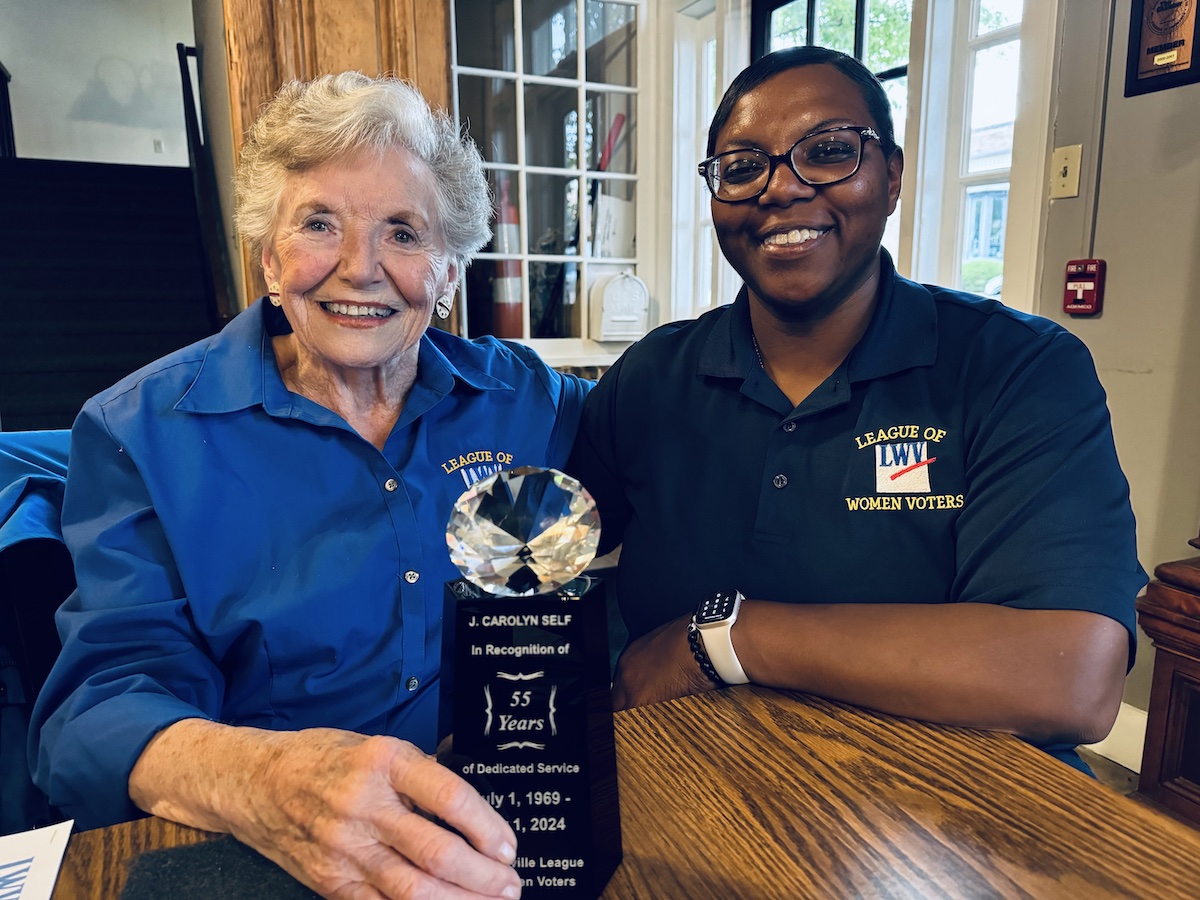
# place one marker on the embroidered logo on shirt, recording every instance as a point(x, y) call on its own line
point(904, 458)
point(477, 464)
point(902, 468)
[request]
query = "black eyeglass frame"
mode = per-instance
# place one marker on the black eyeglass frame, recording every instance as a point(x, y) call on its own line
point(864, 132)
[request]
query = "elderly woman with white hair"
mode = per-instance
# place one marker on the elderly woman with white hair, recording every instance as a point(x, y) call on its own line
point(258, 521)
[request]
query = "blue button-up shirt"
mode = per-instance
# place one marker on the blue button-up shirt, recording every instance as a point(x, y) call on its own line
point(243, 555)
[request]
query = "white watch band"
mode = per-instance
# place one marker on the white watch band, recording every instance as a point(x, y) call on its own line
point(718, 644)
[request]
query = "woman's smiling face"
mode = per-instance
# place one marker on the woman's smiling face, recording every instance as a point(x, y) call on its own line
point(360, 259)
point(804, 250)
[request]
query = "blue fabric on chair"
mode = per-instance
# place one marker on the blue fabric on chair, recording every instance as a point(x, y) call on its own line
point(35, 577)
point(33, 472)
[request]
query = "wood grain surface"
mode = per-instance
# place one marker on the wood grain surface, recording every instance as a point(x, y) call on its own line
point(755, 793)
point(96, 862)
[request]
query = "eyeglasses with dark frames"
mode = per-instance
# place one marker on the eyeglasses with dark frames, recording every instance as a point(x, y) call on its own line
point(820, 158)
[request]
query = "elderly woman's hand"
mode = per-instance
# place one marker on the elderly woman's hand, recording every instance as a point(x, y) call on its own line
point(347, 815)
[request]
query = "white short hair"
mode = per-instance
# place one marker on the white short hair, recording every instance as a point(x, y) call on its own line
point(307, 124)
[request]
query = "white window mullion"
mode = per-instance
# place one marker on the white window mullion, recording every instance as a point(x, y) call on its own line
point(585, 205)
point(1028, 204)
point(522, 181)
point(958, 138)
point(943, 60)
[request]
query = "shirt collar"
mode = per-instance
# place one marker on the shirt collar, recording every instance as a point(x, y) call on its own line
point(238, 370)
point(729, 350)
point(902, 333)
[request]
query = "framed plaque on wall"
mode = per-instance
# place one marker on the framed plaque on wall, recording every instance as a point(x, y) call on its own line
point(1162, 46)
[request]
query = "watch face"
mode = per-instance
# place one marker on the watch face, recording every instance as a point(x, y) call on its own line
point(716, 607)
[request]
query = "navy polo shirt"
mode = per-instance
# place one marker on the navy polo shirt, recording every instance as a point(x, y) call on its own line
point(962, 452)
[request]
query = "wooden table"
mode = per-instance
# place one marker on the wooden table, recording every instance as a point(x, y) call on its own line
point(750, 792)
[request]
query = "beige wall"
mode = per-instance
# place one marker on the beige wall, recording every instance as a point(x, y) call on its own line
point(97, 82)
point(1140, 211)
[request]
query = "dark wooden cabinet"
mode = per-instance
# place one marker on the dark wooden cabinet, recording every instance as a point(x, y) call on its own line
point(1169, 613)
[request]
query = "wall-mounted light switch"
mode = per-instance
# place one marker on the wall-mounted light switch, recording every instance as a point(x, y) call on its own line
point(1064, 171)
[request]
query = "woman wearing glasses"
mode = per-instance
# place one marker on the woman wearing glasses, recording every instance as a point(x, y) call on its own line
point(891, 494)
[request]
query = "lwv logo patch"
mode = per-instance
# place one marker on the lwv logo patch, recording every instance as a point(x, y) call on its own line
point(902, 468)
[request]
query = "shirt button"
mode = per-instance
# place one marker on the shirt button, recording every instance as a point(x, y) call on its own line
point(789, 427)
point(413, 682)
point(390, 485)
point(779, 481)
point(411, 577)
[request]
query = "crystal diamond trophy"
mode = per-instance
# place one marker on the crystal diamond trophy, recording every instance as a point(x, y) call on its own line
point(526, 686)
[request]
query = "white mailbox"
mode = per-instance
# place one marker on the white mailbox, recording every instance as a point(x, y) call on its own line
point(620, 306)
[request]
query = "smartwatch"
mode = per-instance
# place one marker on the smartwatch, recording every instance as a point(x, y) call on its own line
point(714, 620)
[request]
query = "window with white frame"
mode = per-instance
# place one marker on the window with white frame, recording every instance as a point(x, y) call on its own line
point(549, 91)
point(977, 179)
point(979, 101)
point(701, 278)
point(993, 57)
point(560, 130)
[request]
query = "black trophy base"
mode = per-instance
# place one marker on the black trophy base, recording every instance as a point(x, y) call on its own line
point(529, 704)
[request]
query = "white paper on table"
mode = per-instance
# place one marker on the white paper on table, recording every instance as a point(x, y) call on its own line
point(30, 860)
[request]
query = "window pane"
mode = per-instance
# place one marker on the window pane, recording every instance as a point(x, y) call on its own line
point(614, 218)
point(565, 129)
point(487, 107)
point(554, 307)
point(888, 25)
point(494, 285)
point(897, 94)
point(833, 25)
point(489, 42)
point(553, 206)
point(611, 42)
point(789, 26)
point(504, 187)
point(993, 106)
point(553, 230)
point(548, 111)
point(571, 139)
point(710, 54)
point(995, 14)
point(551, 36)
point(494, 298)
point(610, 140)
point(983, 244)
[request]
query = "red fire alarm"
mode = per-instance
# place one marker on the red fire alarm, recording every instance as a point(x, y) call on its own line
point(1084, 292)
